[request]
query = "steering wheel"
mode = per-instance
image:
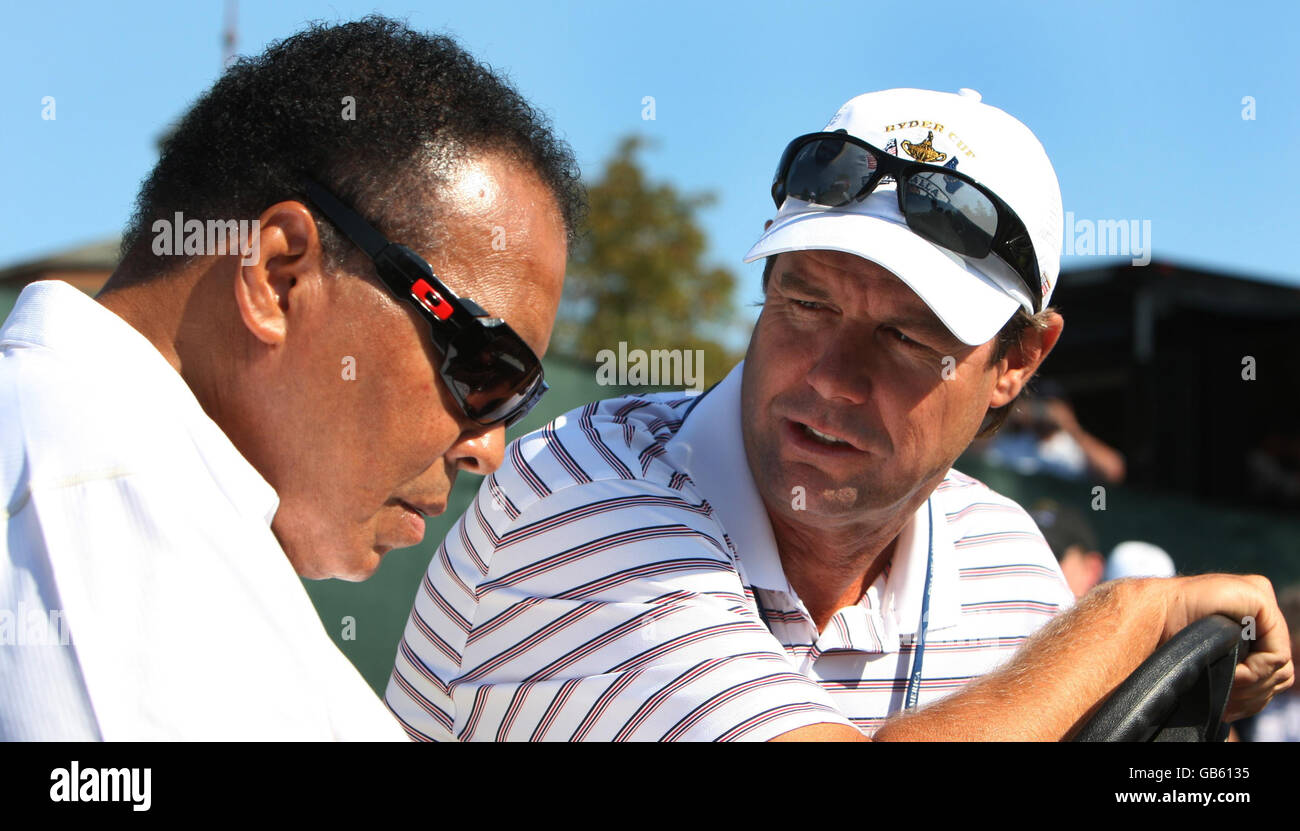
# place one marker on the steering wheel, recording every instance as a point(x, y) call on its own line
point(1176, 695)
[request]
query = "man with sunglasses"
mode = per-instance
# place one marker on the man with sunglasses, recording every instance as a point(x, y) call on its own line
point(791, 555)
point(176, 453)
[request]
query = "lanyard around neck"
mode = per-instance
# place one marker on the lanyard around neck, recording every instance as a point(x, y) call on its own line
point(918, 655)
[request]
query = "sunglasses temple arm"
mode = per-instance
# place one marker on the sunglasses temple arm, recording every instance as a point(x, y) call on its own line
point(357, 229)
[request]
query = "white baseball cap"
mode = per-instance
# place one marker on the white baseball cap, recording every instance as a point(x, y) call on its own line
point(974, 298)
point(1135, 558)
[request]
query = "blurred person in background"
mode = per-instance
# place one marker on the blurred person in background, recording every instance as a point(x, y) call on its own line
point(1043, 435)
point(1273, 464)
point(1135, 558)
point(1073, 542)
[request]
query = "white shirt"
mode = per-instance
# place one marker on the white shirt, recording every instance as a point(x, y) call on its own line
point(133, 519)
point(606, 584)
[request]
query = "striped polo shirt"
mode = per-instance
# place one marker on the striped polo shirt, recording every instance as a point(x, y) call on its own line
point(617, 579)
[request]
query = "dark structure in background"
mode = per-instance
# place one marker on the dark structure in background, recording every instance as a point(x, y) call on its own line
point(1153, 360)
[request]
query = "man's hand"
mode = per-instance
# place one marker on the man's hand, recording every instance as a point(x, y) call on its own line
point(1268, 669)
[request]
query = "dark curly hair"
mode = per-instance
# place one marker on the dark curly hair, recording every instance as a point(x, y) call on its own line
point(421, 104)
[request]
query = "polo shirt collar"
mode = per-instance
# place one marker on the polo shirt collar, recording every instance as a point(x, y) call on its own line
point(710, 447)
point(54, 315)
point(904, 591)
point(711, 450)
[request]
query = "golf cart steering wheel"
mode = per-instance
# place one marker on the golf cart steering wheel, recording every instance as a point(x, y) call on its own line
point(1176, 695)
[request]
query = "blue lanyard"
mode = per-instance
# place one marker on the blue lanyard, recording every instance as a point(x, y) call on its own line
point(918, 656)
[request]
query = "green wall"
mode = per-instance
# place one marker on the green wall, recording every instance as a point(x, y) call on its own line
point(8, 297)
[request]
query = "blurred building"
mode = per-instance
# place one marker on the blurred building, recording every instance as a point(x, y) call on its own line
point(1190, 373)
point(84, 266)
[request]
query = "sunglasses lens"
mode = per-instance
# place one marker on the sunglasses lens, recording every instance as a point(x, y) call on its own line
point(829, 172)
point(950, 212)
point(938, 204)
point(497, 377)
point(528, 402)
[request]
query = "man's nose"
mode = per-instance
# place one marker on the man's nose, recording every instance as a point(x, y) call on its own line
point(843, 369)
point(479, 451)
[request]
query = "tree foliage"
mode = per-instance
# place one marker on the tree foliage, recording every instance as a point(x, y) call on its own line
point(638, 273)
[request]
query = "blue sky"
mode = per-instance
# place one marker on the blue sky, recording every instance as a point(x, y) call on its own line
point(1138, 104)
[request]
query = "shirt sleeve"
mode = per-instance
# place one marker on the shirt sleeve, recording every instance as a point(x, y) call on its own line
point(607, 611)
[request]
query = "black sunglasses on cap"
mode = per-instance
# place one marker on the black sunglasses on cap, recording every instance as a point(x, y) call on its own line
point(494, 376)
point(941, 205)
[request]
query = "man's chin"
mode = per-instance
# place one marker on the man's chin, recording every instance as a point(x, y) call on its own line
point(818, 498)
point(351, 566)
point(349, 573)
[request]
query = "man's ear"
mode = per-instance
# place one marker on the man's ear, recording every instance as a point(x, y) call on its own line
point(1022, 360)
point(286, 259)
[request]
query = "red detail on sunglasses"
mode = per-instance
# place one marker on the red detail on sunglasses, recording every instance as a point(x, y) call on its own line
point(431, 300)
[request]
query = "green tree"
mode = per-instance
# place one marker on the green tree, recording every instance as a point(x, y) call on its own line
point(638, 273)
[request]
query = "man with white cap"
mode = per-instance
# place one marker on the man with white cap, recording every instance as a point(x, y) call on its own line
point(791, 555)
point(1135, 558)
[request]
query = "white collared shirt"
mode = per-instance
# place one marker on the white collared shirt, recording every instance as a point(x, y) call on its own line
point(618, 579)
point(142, 536)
